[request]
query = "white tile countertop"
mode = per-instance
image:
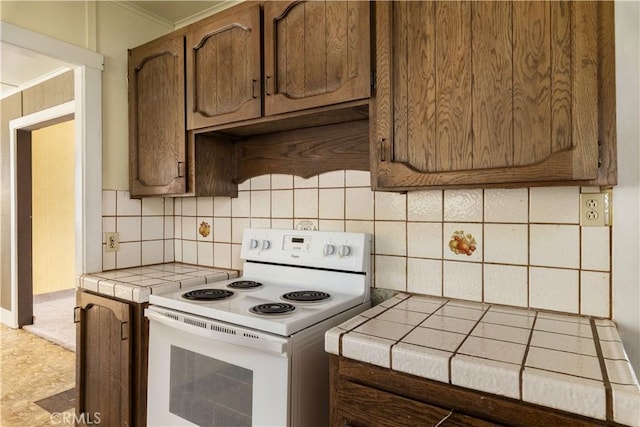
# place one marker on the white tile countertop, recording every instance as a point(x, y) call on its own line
point(137, 283)
point(568, 362)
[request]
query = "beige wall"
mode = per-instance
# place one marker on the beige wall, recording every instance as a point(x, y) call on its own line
point(105, 27)
point(110, 29)
point(62, 20)
point(52, 160)
point(119, 29)
point(10, 108)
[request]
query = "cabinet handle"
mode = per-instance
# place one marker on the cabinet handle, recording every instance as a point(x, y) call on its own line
point(253, 89)
point(267, 81)
point(180, 169)
point(444, 419)
point(382, 148)
point(124, 331)
point(77, 314)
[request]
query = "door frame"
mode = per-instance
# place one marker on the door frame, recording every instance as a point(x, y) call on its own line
point(87, 109)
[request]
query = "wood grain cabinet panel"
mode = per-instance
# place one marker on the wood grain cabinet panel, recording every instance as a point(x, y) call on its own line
point(482, 93)
point(157, 128)
point(223, 69)
point(112, 341)
point(316, 53)
point(367, 395)
point(103, 366)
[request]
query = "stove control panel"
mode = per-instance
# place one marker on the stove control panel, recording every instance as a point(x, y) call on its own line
point(324, 249)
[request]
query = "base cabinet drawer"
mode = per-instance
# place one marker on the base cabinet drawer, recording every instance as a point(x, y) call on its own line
point(365, 406)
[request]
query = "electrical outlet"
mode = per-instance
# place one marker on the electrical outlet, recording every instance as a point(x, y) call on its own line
point(113, 242)
point(595, 209)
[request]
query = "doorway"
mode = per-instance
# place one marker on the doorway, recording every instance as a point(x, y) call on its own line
point(51, 219)
point(45, 208)
point(87, 107)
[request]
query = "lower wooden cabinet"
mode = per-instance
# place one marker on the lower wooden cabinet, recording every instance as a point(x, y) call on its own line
point(368, 395)
point(111, 360)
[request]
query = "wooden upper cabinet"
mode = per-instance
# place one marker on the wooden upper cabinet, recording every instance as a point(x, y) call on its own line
point(316, 53)
point(481, 93)
point(223, 69)
point(157, 135)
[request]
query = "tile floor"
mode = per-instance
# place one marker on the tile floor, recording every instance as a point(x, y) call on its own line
point(32, 369)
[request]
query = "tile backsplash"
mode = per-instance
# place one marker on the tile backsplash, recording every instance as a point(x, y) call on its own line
point(520, 247)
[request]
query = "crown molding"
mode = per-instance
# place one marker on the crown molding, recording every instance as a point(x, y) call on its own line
point(133, 8)
point(223, 5)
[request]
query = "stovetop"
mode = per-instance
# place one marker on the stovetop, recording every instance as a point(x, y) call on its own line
point(237, 308)
point(318, 266)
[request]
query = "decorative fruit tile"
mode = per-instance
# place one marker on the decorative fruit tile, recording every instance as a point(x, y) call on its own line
point(462, 242)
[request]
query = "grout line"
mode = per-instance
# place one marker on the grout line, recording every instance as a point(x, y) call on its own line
point(526, 354)
point(603, 369)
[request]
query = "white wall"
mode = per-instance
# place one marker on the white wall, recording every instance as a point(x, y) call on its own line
point(109, 28)
point(626, 226)
point(118, 29)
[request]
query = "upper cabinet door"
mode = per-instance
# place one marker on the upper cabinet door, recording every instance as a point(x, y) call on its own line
point(157, 136)
point(316, 53)
point(223, 69)
point(490, 92)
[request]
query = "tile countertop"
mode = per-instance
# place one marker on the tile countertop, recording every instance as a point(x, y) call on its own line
point(137, 283)
point(568, 362)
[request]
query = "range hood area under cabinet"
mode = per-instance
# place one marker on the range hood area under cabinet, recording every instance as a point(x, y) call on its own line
point(286, 87)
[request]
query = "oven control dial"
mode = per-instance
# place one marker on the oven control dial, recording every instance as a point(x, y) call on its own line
point(329, 250)
point(344, 251)
point(266, 244)
point(253, 244)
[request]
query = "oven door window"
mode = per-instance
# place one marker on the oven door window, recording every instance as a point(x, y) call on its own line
point(209, 392)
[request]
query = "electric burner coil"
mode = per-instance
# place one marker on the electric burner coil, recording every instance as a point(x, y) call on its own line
point(306, 296)
point(207, 294)
point(244, 284)
point(272, 308)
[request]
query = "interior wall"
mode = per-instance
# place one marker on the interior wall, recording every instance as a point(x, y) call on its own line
point(626, 227)
point(63, 20)
point(118, 29)
point(37, 98)
point(10, 108)
point(53, 207)
point(105, 27)
point(110, 29)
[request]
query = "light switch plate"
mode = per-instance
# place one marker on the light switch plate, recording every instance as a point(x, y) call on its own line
point(595, 209)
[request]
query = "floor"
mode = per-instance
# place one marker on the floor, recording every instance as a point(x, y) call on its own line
point(32, 370)
point(53, 317)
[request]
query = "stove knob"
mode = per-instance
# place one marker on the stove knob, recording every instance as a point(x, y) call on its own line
point(345, 251)
point(253, 244)
point(329, 250)
point(266, 244)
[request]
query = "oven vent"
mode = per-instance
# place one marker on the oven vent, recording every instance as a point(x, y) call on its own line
point(248, 335)
point(196, 323)
point(173, 316)
point(223, 329)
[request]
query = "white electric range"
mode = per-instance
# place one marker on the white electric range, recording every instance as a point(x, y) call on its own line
point(250, 351)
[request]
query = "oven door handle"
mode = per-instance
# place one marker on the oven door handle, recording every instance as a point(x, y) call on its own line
point(274, 345)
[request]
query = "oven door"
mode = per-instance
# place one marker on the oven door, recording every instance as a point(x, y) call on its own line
point(208, 373)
